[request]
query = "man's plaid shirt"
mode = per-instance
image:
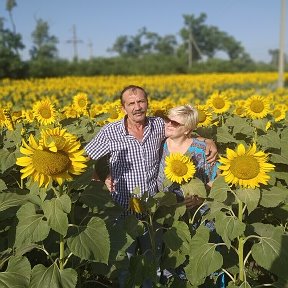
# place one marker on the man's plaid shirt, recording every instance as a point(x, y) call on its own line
point(132, 163)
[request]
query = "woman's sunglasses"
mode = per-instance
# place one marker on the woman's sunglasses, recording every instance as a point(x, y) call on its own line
point(172, 122)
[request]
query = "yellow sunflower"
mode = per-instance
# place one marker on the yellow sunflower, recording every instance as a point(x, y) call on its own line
point(70, 112)
point(28, 116)
point(57, 135)
point(279, 112)
point(80, 102)
point(6, 119)
point(257, 107)
point(246, 168)
point(240, 108)
point(95, 110)
point(204, 116)
point(179, 168)
point(219, 103)
point(135, 204)
point(44, 112)
point(51, 160)
point(114, 112)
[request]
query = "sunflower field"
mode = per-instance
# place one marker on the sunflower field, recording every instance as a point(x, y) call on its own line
point(57, 226)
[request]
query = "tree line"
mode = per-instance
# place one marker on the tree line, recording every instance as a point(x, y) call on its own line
point(144, 53)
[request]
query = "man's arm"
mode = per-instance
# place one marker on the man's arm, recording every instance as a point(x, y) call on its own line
point(211, 149)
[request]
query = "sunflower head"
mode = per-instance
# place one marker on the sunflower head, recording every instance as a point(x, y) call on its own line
point(44, 112)
point(136, 205)
point(279, 112)
point(246, 168)
point(257, 107)
point(179, 168)
point(204, 116)
point(49, 160)
point(80, 102)
point(114, 112)
point(219, 103)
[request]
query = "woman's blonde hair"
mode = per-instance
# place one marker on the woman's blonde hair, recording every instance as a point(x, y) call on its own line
point(189, 115)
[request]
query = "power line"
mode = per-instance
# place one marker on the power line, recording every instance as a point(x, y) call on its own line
point(75, 42)
point(90, 46)
point(282, 46)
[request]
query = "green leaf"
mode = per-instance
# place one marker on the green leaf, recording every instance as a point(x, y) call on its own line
point(56, 211)
point(43, 277)
point(17, 273)
point(7, 159)
point(178, 237)
point(120, 239)
point(245, 284)
point(96, 196)
point(276, 158)
point(3, 185)
point(272, 250)
point(165, 198)
point(250, 197)
point(203, 257)
point(140, 268)
point(8, 200)
point(224, 135)
point(239, 125)
point(31, 227)
point(194, 187)
point(219, 189)
point(228, 227)
point(269, 140)
point(260, 124)
point(91, 242)
point(273, 197)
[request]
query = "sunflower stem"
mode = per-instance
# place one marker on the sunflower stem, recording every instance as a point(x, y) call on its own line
point(152, 236)
point(241, 242)
point(61, 257)
point(255, 135)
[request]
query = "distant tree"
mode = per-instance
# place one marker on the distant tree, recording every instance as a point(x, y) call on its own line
point(44, 44)
point(144, 42)
point(10, 61)
point(10, 4)
point(274, 53)
point(208, 40)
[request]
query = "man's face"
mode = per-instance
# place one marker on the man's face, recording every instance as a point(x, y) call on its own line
point(135, 105)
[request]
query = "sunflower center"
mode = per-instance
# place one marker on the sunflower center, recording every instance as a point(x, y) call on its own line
point(45, 113)
point(82, 103)
point(201, 116)
point(2, 116)
point(179, 168)
point(50, 163)
point(257, 106)
point(113, 114)
point(245, 167)
point(218, 103)
point(240, 110)
point(276, 113)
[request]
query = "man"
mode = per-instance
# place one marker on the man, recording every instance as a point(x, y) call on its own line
point(133, 144)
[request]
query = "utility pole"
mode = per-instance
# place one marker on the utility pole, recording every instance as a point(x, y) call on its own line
point(190, 48)
point(191, 43)
point(281, 61)
point(75, 41)
point(90, 46)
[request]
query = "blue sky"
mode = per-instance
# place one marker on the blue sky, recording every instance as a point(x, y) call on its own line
point(255, 23)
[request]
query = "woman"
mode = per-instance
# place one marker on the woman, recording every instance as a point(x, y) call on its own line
point(180, 123)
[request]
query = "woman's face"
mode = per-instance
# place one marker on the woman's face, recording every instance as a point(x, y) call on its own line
point(174, 126)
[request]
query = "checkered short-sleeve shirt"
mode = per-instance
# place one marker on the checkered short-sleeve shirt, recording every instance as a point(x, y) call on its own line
point(132, 163)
